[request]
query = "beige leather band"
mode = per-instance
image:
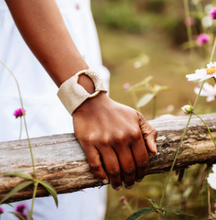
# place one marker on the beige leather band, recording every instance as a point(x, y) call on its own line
point(72, 95)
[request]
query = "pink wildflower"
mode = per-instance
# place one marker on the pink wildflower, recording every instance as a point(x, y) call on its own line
point(126, 86)
point(20, 209)
point(189, 21)
point(19, 112)
point(1, 210)
point(215, 206)
point(208, 91)
point(203, 39)
point(213, 13)
point(122, 198)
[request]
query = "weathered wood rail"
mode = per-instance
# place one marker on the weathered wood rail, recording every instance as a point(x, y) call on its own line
point(60, 160)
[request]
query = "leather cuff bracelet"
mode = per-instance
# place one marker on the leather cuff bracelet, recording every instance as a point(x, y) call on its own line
point(72, 94)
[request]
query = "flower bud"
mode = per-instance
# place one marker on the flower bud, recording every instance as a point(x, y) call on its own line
point(122, 198)
point(187, 109)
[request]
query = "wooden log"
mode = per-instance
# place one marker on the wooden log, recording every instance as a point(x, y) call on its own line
point(60, 160)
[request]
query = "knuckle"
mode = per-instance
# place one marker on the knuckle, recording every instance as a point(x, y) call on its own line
point(152, 133)
point(91, 138)
point(130, 171)
point(105, 141)
point(120, 138)
point(136, 134)
point(114, 173)
point(95, 167)
point(142, 165)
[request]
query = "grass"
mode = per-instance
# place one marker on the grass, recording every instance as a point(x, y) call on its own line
point(168, 65)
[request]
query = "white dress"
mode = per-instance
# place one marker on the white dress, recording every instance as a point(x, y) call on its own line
point(45, 114)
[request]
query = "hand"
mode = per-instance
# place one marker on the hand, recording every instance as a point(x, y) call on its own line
point(114, 138)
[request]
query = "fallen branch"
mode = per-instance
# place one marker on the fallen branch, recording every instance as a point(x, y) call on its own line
point(60, 160)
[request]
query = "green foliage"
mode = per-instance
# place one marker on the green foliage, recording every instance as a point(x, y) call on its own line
point(145, 99)
point(141, 212)
point(25, 176)
point(50, 189)
point(152, 202)
point(120, 15)
point(16, 189)
point(145, 85)
point(19, 216)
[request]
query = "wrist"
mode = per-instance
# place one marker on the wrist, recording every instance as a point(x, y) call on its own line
point(86, 83)
point(72, 94)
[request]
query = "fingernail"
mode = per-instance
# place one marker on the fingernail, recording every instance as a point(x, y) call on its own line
point(118, 188)
point(105, 181)
point(140, 180)
point(155, 147)
point(129, 187)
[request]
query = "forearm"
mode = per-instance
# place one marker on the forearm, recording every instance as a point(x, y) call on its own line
point(42, 27)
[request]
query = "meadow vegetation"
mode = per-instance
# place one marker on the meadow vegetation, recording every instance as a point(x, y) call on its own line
point(127, 31)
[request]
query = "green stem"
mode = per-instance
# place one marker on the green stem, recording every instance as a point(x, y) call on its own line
point(164, 191)
point(154, 107)
point(134, 97)
point(128, 206)
point(209, 196)
point(189, 31)
point(21, 102)
point(20, 128)
point(200, 10)
point(33, 199)
point(213, 50)
point(180, 144)
point(206, 127)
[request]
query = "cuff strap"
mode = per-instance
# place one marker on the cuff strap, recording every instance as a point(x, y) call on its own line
point(72, 94)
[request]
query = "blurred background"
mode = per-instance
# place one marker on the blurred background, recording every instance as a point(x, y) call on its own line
point(142, 38)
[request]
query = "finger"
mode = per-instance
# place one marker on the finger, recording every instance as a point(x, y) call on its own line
point(94, 161)
point(149, 133)
point(112, 166)
point(140, 157)
point(128, 166)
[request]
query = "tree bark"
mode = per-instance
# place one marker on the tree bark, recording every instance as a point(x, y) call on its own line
point(60, 160)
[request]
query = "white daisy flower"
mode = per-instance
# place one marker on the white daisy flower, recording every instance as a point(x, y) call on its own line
point(212, 178)
point(208, 90)
point(203, 74)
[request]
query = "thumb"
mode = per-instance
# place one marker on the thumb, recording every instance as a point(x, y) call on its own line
point(149, 133)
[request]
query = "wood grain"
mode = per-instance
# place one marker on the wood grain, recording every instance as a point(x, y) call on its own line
point(60, 160)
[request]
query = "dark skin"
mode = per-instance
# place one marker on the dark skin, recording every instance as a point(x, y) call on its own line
point(110, 133)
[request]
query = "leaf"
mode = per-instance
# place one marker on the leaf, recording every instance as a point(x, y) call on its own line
point(188, 44)
point(152, 202)
point(141, 212)
point(142, 83)
point(23, 175)
point(145, 99)
point(16, 189)
point(19, 215)
point(157, 88)
point(50, 189)
point(9, 205)
point(138, 89)
point(178, 212)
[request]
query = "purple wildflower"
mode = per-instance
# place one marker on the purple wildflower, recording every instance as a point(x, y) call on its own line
point(215, 206)
point(1, 210)
point(19, 112)
point(189, 21)
point(213, 13)
point(203, 39)
point(20, 209)
point(126, 85)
